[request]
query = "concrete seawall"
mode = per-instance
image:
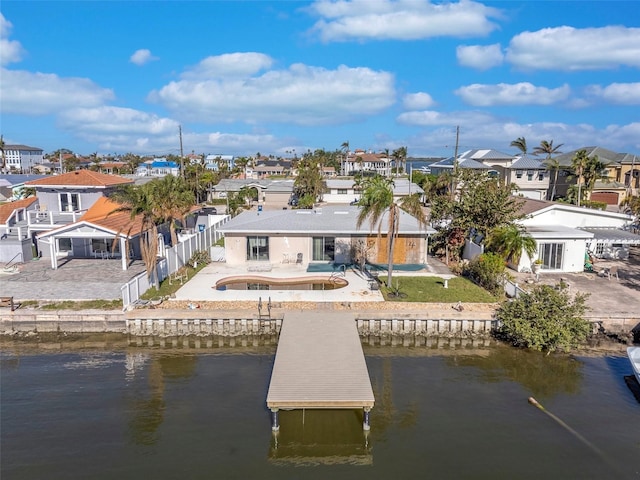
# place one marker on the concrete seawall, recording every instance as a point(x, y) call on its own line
point(202, 322)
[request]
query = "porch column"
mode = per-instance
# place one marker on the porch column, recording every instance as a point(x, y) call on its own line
point(52, 253)
point(123, 253)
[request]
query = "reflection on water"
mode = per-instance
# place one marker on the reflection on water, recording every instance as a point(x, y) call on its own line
point(315, 437)
point(166, 413)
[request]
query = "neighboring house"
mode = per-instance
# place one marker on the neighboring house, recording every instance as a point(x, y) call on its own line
point(158, 167)
point(448, 166)
point(566, 233)
point(322, 235)
point(102, 232)
point(361, 161)
point(347, 190)
point(621, 175)
point(21, 158)
point(214, 162)
point(11, 186)
point(529, 175)
point(276, 191)
point(15, 244)
point(493, 162)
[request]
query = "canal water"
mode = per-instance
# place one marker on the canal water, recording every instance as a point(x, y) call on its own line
point(459, 413)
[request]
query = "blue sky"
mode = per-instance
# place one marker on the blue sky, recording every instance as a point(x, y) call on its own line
point(277, 77)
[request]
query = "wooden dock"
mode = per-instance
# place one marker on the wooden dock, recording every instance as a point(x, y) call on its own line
point(319, 365)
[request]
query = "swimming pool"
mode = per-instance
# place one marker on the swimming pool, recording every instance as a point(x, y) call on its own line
point(257, 282)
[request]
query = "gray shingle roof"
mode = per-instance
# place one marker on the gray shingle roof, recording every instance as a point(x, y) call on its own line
point(329, 220)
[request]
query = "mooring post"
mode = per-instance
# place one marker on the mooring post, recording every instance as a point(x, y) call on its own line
point(269, 307)
point(275, 425)
point(365, 420)
point(259, 306)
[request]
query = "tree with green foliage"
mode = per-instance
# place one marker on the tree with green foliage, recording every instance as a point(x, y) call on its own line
point(376, 201)
point(171, 199)
point(4, 160)
point(400, 156)
point(595, 169)
point(545, 319)
point(488, 271)
point(547, 148)
point(579, 163)
point(309, 183)
point(509, 241)
point(521, 144)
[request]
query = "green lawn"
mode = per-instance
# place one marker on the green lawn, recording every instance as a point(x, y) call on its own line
point(431, 289)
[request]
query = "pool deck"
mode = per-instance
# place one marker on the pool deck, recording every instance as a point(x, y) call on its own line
point(201, 288)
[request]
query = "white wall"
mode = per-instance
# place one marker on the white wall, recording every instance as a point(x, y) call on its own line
point(578, 217)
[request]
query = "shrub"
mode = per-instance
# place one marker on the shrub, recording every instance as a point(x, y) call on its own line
point(488, 271)
point(545, 319)
point(594, 204)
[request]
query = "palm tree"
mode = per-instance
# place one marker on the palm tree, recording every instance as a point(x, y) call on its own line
point(579, 163)
point(138, 201)
point(171, 199)
point(510, 241)
point(4, 160)
point(548, 149)
point(345, 151)
point(400, 154)
point(376, 201)
point(521, 144)
point(593, 171)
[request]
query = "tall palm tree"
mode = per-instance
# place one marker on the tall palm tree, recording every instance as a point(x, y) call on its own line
point(521, 144)
point(171, 200)
point(579, 163)
point(509, 241)
point(138, 201)
point(400, 154)
point(344, 148)
point(593, 171)
point(376, 201)
point(4, 160)
point(547, 148)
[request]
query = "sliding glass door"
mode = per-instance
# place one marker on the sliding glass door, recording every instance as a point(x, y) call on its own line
point(258, 248)
point(551, 255)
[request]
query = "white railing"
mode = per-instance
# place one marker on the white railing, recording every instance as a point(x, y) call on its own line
point(174, 259)
point(511, 289)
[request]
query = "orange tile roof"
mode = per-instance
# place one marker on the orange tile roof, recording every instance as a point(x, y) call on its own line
point(101, 214)
point(6, 209)
point(81, 178)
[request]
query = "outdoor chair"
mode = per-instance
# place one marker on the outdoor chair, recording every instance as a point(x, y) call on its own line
point(299, 259)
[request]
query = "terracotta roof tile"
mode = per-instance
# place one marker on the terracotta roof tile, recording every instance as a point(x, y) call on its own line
point(6, 209)
point(81, 178)
point(103, 214)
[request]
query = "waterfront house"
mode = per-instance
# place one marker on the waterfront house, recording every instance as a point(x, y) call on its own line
point(269, 191)
point(257, 240)
point(341, 190)
point(566, 233)
point(529, 175)
point(21, 158)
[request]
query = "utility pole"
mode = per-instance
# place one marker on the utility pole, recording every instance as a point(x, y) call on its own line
point(455, 165)
point(181, 152)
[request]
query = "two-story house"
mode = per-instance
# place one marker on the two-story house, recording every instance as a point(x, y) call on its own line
point(21, 158)
point(530, 176)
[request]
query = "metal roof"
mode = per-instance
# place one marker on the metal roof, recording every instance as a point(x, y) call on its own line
point(525, 162)
point(613, 235)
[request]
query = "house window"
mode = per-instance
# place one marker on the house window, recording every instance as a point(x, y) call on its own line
point(540, 176)
point(342, 191)
point(599, 250)
point(64, 245)
point(518, 173)
point(529, 175)
point(69, 202)
point(551, 255)
point(258, 248)
point(324, 248)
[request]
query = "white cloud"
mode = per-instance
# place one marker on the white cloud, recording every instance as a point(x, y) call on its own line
point(142, 56)
point(229, 65)
point(480, 57)
point(29, 93)
point(301, 94)
point(400, 19)
point(568, 48)
point(480, 130)
point(11, 51)
point(117, 120)
point(417, 101)
point(618, 93)
point(523, 93)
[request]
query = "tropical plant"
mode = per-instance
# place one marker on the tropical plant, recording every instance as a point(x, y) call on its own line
point(138, 201)
point(488, 271)
point(547, 148)
point(509, 241)
point(400, 156)
point(171, 200)
point(579, 163)
point(376, 201)
point(4, 159)
point(309, 181)
point(521, 144)
point(595, 169)
point(545, 319)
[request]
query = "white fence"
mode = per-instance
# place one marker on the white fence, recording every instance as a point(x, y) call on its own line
point(512, 290)
point(174, 259)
